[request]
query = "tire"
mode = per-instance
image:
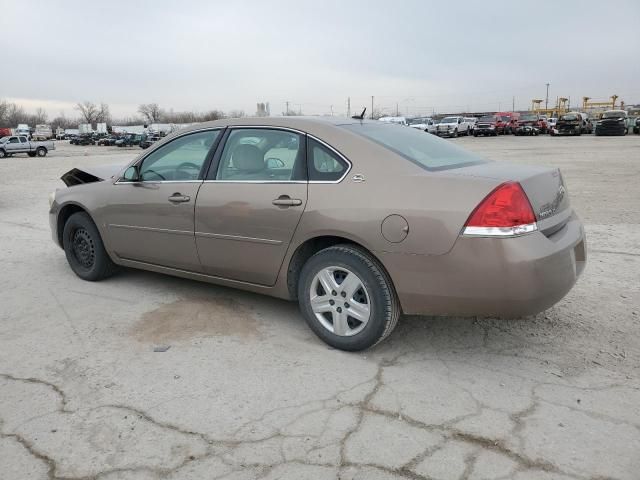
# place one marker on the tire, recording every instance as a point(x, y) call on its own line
point(455, 134)
point(475, 134)
point(31, 154)
point(84, 249)
point(41, 152)
point(370, 287)
point(3, 154)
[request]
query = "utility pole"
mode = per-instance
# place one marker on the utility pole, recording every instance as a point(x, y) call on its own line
point(287, 111)
point(546, 102)
point(513, 104)
point(397, 111)
point(371, 107)
point(348, 107)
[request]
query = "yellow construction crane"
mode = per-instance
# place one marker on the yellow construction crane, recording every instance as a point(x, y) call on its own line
point(587, 105)
point(560, 108)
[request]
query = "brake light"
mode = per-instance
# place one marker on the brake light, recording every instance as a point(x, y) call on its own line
point(506, 211)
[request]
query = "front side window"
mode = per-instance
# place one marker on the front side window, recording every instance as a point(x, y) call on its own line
point(14, 140)
point(324, 164)
point(427, 151)
point(262, 154)
point(179, 160)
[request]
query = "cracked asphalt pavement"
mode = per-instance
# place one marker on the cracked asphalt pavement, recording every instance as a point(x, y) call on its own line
point(246, 391)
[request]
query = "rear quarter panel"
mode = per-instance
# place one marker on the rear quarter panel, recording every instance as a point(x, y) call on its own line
point(435, 204)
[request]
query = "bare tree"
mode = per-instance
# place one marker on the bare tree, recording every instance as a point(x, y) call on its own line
point(236, 114)
point(41, 116)
point(4, 111)
point(103, 115)
point(89, 111)
point(151, 112)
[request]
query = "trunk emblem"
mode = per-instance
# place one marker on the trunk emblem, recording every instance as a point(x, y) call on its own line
point(358, 178)
point(549, 209)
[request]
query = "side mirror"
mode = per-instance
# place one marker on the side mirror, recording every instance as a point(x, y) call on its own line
point(131, 174)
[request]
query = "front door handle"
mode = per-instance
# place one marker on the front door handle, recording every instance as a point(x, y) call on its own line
point(287, 201)
point(179, 198)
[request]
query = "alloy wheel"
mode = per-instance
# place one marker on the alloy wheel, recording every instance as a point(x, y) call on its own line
point(340, 301)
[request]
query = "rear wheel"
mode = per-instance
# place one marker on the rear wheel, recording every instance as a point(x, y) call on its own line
point(84, 249)
point(41, 152)
point(347, 298)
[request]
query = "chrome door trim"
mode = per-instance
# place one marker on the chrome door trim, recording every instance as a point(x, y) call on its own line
point(151, 229)
point(238, 238)
point(126, 182)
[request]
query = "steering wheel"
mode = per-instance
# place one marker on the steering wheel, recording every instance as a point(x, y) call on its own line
point(155, 173)
point(274, 163)
point(184, 165)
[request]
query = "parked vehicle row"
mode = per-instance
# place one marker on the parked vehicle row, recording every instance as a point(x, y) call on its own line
point(612, 122)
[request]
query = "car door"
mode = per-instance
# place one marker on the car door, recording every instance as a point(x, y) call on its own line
point(250, 205)
point(150, 214)
point(13, 145)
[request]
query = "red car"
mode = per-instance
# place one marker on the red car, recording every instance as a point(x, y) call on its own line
point(536, 121)
point(509, 121)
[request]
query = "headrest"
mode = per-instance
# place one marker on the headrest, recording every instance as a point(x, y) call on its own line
point(248, 158)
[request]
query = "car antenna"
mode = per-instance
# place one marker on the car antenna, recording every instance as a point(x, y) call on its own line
point(361, 116)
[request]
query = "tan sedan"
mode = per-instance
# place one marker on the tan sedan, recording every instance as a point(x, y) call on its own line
point(358, 221)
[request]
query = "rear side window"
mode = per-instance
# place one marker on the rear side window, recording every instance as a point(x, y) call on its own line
point(324, 164)
point(262, 154)
point(427, 151)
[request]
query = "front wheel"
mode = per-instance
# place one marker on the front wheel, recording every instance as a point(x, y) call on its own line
point(84, 249)
point(3, 154)
point(347, 298)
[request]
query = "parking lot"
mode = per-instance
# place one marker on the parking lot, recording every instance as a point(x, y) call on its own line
point(245, 390)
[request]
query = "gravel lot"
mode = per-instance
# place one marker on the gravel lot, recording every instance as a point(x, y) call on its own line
point(246, 391)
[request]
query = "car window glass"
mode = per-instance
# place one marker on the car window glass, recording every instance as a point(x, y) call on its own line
point(180, 159)
point(427, 151)
point(23, 140)
point(14, 140)
point(324, 165)
point(262, 154)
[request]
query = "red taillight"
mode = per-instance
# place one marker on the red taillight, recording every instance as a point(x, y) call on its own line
point(505, 211)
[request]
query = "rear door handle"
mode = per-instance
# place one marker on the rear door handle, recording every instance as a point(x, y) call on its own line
point(179, 198)
point(287, 201)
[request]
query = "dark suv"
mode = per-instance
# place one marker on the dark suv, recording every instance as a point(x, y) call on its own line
point(612, 122)
point(570, 124)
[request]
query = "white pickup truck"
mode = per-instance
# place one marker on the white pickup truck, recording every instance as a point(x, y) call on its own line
point(453, 126)
point(20, 144)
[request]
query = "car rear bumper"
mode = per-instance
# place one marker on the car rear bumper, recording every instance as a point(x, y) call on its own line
point(489, 276)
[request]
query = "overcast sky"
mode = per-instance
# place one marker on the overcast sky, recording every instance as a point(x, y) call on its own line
point(424, 55)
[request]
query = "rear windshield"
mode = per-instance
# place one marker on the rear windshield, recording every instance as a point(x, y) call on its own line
point(569, 117)
point(423, 149)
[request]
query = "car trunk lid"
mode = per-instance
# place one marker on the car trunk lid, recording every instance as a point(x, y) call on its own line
point(543, 186)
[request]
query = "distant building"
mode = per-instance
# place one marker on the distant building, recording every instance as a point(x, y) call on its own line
point(263, 110)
